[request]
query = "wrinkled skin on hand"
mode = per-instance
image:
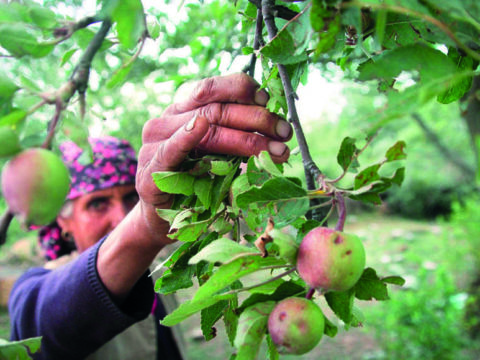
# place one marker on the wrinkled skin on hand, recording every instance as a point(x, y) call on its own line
point(221, 115)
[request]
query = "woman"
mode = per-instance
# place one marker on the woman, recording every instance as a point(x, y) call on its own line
point(79, 307)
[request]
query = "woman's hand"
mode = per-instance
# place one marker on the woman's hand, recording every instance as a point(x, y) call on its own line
point(222, 115)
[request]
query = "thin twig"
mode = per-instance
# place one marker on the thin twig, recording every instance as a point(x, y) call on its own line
point(355, 156)
point(279, 276)
point(64, 33)
point(5, 221)
point(257, 41)
point(47, 144)
point(310, 293)
point(342, 212)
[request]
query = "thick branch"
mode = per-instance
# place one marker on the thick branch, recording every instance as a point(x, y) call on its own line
point(65, 32)
point(82, 71)
point(279, 11)
point(446, 152)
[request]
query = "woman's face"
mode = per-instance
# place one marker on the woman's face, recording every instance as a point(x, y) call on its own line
point(96, 214)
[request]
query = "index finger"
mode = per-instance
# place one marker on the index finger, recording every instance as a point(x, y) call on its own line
point(235, 88)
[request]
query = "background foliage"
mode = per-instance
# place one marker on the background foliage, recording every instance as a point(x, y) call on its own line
point(408, 67)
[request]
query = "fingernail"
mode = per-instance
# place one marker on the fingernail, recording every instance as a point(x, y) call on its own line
point(261, 97)
point(276, 148)
point(283, 129)
point(191, 124)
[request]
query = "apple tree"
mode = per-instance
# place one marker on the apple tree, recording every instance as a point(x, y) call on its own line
point(233, 216)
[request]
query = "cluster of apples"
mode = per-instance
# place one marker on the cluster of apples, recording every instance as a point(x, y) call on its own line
point(327, 260)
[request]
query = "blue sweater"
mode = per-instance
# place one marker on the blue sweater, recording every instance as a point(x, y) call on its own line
point(75, 314)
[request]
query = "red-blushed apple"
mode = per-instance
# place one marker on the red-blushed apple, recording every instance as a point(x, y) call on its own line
point(296, 325)
point(330, 260)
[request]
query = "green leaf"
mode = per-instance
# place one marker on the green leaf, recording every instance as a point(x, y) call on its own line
point(430, 63)
point(222, 250)
point(255, 175)
point(346, 157)
point(330, 328)
point(168, 214)
point(19, 350)
point(252, 326)
point(13, 118)
point(189, 231)
point(230, 319)
point(130, 19)
point(190, 307)
point(220, 167)
point(19, 40)
point(395, 280)
point(234, 270)
point(327, 39)
point(278, 188)
point(342, 304)
point(370, 286)
point(119, 76)
point(287, 246)
point(460, 88)
point(10, 142)
point(203, 188)
point(153, 27)
point(7, 86)
point(173, 257)
point(396, 152)
point(268, 288)
point(42, 16)
point(366, 176)
point(174, 182)
point(290, 44)
point(272, 349)
point(67, 56)
point(175, 279)
point(209, 316)
point(285, 290)
point(265, 163)
point(368, 198)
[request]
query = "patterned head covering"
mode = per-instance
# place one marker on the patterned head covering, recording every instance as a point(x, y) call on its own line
point(114, 163)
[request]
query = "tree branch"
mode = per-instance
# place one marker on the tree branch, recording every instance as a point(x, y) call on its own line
point(312, 172)
point(82, 71)
point(257, 42)
point(446, 152)
point(65, 32)
point(279, 11)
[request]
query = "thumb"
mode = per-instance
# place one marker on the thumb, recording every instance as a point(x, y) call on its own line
point(173, 151)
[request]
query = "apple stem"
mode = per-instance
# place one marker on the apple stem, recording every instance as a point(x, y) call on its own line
point(310, 293)
point(342, 212)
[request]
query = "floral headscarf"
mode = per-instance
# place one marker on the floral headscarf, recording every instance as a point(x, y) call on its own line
point(114, 163)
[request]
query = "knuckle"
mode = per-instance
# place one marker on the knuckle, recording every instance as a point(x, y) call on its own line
point(211, 139)
point(212, 112)
point(252, 143)
point(204, 90)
